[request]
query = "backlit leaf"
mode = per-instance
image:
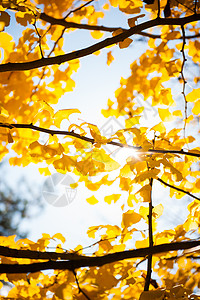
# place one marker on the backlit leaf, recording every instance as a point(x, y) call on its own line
point(129, 218)
point(64, 114)
point(110, 58)
point(92, 200)
point(125, 43)
point(111, 198)
point(165, 114)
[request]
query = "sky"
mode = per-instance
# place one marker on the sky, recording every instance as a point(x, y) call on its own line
point(95, 83)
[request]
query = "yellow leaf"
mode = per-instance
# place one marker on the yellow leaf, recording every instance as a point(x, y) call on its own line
point(159, 127)
point(97, 52)
point(130, 281)
point(144, 211)
point(97, 34)
point(6, 41)
point(131, 21)
point(63, 291)
point(111, 198)
point(64, 114)
point(4, 20)
point(110, 58)
point(193, 96)
point(132, 121)
point(152, 295)
point(129, 218)
point(166, 97)
point(178, 113)
point(145, 193)
point(142, 244)
point(59, 236)
point(172, 68)
point(10, 139)
point(92, 200)
point(109, 163)
point(130, 200)
point(44, 171)
point(117, 32)
point(106, 6)
point(157, 210)
point(196, 108)
point(165, 114)
point(92, 230)
point(125, 43)
point(24, 18)
point(64, 164)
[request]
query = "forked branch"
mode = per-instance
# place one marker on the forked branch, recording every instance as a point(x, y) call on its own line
point(98, 46)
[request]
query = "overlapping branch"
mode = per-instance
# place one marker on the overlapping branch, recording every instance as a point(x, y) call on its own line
point(98, 46)
point(66, 24)
point(86, 261)
point(92, 141)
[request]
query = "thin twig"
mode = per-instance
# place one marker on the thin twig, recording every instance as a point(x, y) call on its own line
point(184, 5)
point(44, 69)
point(67, 24)
point(183, 79)
point(78, 8)
point(182, 255)
point(178, 189)
point(39, 36)
point(92, 141)
point(79, 288)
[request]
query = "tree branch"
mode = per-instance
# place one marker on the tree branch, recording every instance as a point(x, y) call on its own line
point(149, 261)
point(79, 288)
point(30, 254)
point(88, 261)
point(66, 24)
point(98, 46)
point(92, 141)
point(78, 8)
point(178, 189)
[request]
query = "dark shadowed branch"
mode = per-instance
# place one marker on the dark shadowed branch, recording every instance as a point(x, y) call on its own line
point(22, 66)
point(87, 261)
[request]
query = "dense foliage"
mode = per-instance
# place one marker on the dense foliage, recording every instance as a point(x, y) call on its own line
point(161, 264)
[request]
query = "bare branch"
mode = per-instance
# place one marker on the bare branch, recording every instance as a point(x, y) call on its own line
point(39, 36)
point(98, 46)
point(92, 141)
point(62, 22)
point(66, 24)
point(178, 189)
point(89, 261)
point(79, 288)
